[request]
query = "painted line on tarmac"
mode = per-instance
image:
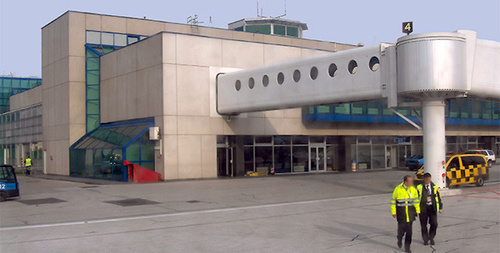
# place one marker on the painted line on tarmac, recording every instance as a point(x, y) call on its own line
point(494, 192)
point(476, 197)
point(231, 209)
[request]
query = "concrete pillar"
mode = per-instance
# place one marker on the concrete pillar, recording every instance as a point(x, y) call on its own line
point(434, 140)
point(238, 155)
point(348, 141)
point(19, 154)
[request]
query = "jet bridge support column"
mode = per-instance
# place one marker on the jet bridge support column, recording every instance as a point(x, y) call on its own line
point(434, 140)
point(431, 68)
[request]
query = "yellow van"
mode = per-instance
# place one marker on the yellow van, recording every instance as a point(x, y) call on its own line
point(462, 169)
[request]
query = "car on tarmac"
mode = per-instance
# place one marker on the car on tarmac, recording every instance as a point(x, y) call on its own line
point(489, 154)
point(462, 169)
point(415, 162)
point(9, 187)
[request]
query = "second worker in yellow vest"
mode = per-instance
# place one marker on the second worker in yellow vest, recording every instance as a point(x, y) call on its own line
point(430, 204)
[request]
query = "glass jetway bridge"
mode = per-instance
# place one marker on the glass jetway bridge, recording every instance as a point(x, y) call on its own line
point(425, 69)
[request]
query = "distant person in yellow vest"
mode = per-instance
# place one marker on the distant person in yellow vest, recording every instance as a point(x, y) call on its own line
point(27, 163)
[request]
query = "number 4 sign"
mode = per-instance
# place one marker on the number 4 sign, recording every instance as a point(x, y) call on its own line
point(408, 27)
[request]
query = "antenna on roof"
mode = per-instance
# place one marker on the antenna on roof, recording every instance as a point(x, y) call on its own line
point(193, 20)
point(280, 16)
point(261, 11)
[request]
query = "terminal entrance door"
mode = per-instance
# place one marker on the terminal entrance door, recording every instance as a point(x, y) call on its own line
point(404, 152)
point(225, 162)
point(317, 161)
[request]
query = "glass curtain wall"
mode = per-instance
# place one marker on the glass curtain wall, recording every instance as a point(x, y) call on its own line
point(287, 153)
point(10, 86)
point(460, 144)
point(378, 152)
point(18, 128)
point(98, 44)
point(100, 153)
point(458, 111)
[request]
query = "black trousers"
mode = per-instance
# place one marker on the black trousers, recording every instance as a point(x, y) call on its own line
point(428, 216)
point(405, 228)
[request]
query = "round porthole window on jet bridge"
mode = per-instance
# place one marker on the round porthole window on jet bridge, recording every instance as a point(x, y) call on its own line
point(314, 73)
point(281, 78)
point(332, 70)
point(265, 80)
point(237, 85)
point(251, 83)
point(352, 67)
point(296, 75)
point(374, 64)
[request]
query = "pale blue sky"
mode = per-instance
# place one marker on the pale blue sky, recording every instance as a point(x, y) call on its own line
point(345, 21)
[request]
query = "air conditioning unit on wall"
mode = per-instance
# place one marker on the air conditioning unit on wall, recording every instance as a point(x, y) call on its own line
point(154, 133)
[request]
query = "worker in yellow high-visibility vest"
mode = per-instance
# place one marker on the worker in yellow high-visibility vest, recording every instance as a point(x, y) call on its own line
point(27, 163)
point(405, 207)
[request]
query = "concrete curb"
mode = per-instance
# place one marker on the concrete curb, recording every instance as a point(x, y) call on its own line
point(77, 179)
point(450, 192)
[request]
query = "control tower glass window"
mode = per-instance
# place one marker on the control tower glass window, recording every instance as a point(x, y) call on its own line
point(279, 30)
point(264, 29)
point(292, 31)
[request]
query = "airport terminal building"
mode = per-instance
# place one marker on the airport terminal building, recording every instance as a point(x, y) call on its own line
point(106, 80)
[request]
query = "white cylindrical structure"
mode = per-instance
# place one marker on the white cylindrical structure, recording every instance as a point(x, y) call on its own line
point(434, 140)
point(434, 64)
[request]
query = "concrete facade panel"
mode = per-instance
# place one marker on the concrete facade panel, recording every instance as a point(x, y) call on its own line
point(208, 156)
point(76, 103)
point(61, 71)
point(114, 24)
point(170, 125)
point(142, 94)
point(76, 35)
point(193, 125)
point(190, 48)
point(169, 48)
point(131, 99)
point(74, 63)
point(61, 104)
point(108, 66)
point(169, 89)
point(243, 55)
point(170, 156)
point(155, 91)
point(93, 22)
point(193, 88)
point(121, 97)
point(126, 60)
point(149, 52)
point(26, 99)
point(276, 54)
point(189, 156)
point(144, 27)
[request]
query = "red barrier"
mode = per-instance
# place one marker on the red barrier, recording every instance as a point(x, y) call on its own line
point(138, 174)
